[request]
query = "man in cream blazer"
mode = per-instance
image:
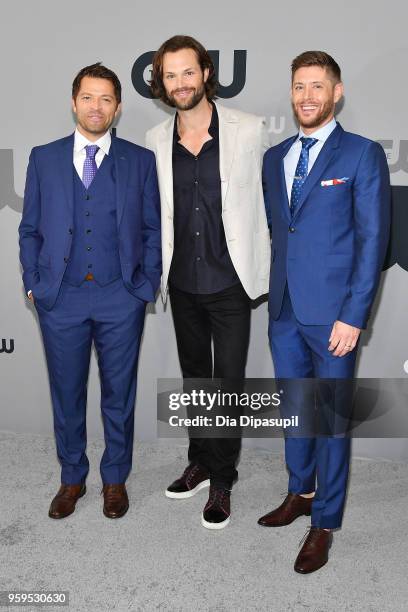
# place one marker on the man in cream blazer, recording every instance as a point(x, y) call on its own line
point(215, 243)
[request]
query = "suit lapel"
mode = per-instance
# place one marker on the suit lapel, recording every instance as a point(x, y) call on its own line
point(122, 171)
point(67, 171)
point(164, 157)
point(323, 159)
point(285, 199)
point(228, 130)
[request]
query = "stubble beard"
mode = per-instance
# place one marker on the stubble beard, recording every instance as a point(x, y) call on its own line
point(318, 120)
point(189, 104)
point(96, 131)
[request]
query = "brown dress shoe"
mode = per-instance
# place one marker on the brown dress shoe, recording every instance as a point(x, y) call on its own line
point(64, 502)
point(292, 507)
point(116, 501)
point(314, 552)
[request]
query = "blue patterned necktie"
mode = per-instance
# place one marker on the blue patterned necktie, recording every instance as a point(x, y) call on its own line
point(90, 167)
point(300, 173)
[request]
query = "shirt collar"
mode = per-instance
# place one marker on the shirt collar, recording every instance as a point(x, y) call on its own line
point(212, 128)
point(322, 133)
point(80, 142)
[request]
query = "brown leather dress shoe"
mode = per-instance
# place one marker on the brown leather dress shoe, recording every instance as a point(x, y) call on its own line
point(292, 507)
point(116, 501)
point(64, 502)
point(314, 552)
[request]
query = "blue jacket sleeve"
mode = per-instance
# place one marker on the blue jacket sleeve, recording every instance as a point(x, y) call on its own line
point(152, 261)
point(371, 205)
point(30, 237)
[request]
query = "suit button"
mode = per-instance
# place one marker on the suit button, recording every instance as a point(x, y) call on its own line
point(87, 197)
point(87, 213)
point(70, 230)
point(291, 229)
point(89, 248)
point(88, 231)
point(66, 259)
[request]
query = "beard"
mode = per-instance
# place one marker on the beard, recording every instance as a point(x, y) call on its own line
point(198, 95)
point(89, 126)
point(317, 120)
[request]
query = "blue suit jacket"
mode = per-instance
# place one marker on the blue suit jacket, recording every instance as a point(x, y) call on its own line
point(46, 228)
point(331, 253)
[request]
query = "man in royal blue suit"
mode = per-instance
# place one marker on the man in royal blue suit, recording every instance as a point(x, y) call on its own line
point(327, 196)
point(90, 252)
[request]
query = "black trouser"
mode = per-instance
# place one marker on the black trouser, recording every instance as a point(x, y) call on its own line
point(224, 319)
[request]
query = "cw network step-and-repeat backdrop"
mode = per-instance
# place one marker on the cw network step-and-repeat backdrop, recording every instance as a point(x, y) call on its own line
point(44, 44)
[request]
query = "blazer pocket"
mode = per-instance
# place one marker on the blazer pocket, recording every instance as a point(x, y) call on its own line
point(335, 188)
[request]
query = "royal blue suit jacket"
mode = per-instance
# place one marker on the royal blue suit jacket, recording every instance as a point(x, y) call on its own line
point(331, 252)
point(46, 228)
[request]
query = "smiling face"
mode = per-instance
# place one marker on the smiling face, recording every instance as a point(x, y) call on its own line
point(183, 79)
point(314, 97)
point(95, 107)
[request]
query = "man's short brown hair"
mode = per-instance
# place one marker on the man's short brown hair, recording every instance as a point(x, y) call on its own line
point(317, 58)
point(176, 43)
point(97, 71)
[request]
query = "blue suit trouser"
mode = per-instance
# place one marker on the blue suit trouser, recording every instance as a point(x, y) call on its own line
point(112, 319)
point(298, 352)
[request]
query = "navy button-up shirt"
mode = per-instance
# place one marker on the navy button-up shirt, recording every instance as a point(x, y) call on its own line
point(201, 262)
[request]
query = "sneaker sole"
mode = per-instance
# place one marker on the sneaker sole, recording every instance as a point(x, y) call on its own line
point(208, 525)
point(202, 485)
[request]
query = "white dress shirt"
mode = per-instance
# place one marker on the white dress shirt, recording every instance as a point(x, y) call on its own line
point(80, 142)
point(292, 156)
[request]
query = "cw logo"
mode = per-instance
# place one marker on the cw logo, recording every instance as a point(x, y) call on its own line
point(7, 349)
point(225, 91)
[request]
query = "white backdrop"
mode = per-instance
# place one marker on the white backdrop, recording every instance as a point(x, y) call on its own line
point(44, 44)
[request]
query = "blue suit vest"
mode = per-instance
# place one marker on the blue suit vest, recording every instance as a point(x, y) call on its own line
point(95, 241)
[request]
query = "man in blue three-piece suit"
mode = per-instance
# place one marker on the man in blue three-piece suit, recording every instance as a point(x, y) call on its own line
point(327, 196)
point(90, 252)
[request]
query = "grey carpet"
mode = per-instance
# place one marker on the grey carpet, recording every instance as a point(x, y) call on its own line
point(158, 557)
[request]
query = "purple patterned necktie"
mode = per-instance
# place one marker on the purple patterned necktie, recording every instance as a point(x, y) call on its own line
point(90, 167)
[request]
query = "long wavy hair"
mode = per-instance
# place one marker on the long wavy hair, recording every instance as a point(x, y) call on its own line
point(176, 43)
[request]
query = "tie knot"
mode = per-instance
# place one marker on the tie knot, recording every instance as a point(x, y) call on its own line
point(91, 151)
point(307, 143)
